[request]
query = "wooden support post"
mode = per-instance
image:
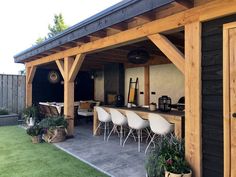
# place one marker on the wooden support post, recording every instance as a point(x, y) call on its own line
point(193, 130)
point(69, 95)
point(30, 72)
point(146, 85)
point(69, 72)
point(172, 52)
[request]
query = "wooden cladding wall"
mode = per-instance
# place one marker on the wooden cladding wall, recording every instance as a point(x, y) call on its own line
point(212, 96)
point(113, 80)
point(12, 92)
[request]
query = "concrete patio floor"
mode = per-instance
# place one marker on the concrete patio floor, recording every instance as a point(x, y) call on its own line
point(109, 156)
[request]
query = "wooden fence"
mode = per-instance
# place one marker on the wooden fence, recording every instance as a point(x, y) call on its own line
point(12, 92)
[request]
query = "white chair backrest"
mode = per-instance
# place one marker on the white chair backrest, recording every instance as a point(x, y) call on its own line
point(103, 115)
point(159, 125)
point(134, 120)
point(117, 117)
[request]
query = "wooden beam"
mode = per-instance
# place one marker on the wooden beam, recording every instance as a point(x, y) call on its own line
point(169, 50)
point(186, 3)
point(193, 93)
point(31, 73)
point(60, 65)
point(120, 27)
point(143, 19)
point(202, 13)
point(146, 85)
point(93, 38)
point(99, 34)
point(76, 66)
point(156, 60)
point(68, 96)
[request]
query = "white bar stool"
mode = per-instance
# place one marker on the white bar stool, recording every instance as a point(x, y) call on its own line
point(159, 126)
point(103, 117)
point(118, 119)
point(135, 122)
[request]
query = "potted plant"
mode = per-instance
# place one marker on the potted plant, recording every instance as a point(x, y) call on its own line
point(54, 129)
point(35, 133)
point(168, 159)
point(30, 115)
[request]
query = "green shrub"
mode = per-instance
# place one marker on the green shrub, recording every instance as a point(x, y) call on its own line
point(3, 111)
point(53, 122)
point(30, 111)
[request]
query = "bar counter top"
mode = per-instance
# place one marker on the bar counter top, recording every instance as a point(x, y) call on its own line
point(173, 112)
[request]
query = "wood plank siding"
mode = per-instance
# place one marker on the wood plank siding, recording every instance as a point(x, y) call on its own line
point(12, 92)
point(212, 96)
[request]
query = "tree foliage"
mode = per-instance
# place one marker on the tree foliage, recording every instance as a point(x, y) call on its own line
point(40, 39)
point(57, 27)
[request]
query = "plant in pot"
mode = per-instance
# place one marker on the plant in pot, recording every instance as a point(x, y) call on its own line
point(54, 129)
point(35, 133)
point(168, 159)
point(30, 115)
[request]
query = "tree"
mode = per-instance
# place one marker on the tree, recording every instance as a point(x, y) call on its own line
point(58, 26)
point(40, 40)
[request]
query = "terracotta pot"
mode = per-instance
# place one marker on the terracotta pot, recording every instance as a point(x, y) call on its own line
point(169, 174)
point(35, 139)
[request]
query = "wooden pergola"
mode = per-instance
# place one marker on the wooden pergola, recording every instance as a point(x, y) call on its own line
point(154, 26)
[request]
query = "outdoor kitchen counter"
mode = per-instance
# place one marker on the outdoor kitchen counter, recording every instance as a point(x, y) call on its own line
point(175, 117)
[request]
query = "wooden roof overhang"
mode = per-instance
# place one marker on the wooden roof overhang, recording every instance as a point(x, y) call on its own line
point(121, 17)
point(69, 61)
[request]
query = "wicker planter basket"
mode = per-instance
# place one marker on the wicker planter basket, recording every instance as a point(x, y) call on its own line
point(36, 139)
point(169, 174)
point(56, 135)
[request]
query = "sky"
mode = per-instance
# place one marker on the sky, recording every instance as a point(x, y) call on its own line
point(23, 21)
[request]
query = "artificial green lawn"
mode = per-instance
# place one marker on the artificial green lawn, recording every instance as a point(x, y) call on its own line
point(20, 158)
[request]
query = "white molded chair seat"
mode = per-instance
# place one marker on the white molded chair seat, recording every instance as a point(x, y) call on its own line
point(103, 117)
point(159, 126)
point(135, 122)
point(118, 119)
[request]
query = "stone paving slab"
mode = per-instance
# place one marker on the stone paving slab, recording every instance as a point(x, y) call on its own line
point(108, 156)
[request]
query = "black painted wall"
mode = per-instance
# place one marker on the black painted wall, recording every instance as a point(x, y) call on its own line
point(113, 79)
point(44, 91)
point(212, 96)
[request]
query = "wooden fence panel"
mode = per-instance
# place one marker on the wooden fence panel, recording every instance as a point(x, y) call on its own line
point(1, 99)
point(12, 92)
point(4, 93)
point(21, 93)
point(9, 93)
